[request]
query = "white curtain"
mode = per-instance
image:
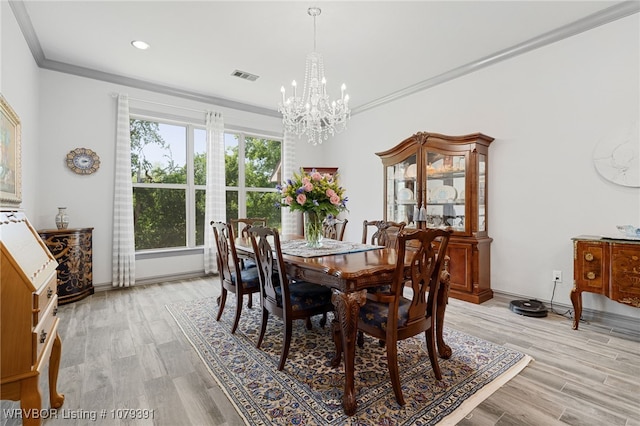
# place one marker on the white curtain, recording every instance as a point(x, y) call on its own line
point(289, 219)
point(215, 200)
point(123, 255)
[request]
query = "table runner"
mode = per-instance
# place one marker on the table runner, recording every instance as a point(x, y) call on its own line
point(329, 247)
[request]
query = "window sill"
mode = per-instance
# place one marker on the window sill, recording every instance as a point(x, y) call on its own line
point(173, 252)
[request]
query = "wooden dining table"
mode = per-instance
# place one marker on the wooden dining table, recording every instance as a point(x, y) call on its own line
point(349, 275)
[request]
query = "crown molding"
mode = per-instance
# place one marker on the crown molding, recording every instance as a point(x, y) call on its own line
point(157, 88)
point(24, 22)
point(29, 34)
point(615, 12)
point(594, 20)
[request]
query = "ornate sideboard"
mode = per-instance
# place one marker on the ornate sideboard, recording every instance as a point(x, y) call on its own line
point(29, 340)
point(606, 266)
point(72, 248)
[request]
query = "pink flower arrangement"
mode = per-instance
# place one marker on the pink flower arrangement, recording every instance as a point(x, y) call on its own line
point(313, 191)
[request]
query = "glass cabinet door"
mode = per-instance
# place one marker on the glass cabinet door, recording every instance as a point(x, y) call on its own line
point(446, 183)
point(482, 189)
point(401, 190)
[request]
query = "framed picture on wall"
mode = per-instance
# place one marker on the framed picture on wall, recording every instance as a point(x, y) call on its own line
point(10, 158)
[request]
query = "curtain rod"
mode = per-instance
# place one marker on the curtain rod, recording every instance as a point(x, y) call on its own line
point(115, 95)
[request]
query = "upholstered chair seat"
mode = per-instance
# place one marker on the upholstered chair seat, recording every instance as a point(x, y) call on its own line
point(376, 314)
point(305, 296)
point(248, 277)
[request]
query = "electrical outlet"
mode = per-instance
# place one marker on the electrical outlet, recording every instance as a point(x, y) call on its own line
point(557, 276)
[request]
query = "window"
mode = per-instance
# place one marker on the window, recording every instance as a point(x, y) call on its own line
point(168, 169)
point(252, 172)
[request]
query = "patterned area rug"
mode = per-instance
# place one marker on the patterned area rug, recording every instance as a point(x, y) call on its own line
point(309, 391)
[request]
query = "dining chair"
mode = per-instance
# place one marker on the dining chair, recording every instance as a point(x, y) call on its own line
point(234, 277)
point(385, 232)
point(390, 317)
point(287, 299)
point(334, 228)
point(241, 228)
point(240, 224)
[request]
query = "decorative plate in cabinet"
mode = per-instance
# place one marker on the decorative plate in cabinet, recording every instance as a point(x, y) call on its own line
point(411, 171)
point(405, 194)
point(444, 193)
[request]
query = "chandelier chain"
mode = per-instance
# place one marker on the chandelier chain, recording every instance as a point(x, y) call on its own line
point(314, 33)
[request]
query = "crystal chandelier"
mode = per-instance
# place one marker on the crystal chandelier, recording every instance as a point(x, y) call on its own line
point(314, 113)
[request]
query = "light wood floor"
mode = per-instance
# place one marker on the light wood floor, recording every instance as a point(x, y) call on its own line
point(122, 349)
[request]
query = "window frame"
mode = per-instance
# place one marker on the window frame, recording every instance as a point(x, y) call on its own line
point(189, 187)
point(242, 188)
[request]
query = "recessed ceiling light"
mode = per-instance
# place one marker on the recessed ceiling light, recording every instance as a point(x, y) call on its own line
point(139, 44)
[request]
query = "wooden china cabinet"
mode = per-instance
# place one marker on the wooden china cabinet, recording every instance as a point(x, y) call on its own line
point(439, 181)
point(329, 170)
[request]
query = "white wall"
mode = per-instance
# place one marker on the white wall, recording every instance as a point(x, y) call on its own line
point(19, 85)
point(61, 112)
point(546, 110)
point(80, 112)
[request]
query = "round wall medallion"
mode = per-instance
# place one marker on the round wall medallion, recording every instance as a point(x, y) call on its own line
point(617, 157)
point(83, 161)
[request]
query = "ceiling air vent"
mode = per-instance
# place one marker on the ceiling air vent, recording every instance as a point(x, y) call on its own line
point(244, 75)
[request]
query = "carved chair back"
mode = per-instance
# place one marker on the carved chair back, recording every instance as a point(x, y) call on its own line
point(385, 232)
point(234, 277)
point(227, 256)
point(268, 255)
point(334, 228)
point(240, 225)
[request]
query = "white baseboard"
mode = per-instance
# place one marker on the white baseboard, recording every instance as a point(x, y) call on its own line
point(608, 321)
point(154, 280)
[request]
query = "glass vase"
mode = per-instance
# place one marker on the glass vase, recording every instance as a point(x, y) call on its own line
point(313, 228)
point(62, 219)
